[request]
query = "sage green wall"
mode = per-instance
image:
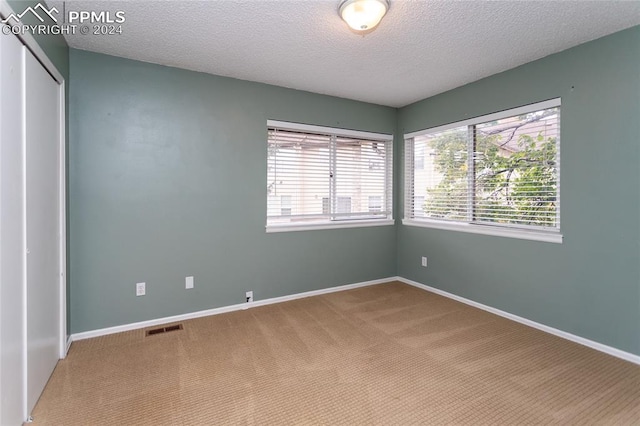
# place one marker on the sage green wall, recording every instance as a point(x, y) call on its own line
point(168, 179)
point(590, 284)
point(56, 49)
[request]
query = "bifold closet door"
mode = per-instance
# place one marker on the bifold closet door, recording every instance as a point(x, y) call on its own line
point(12, 249)
point(42, 137)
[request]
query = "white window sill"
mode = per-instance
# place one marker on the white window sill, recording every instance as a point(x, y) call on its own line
point(287, 227)
point(549, 237)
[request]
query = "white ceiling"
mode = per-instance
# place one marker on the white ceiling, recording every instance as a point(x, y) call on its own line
point(420, 49)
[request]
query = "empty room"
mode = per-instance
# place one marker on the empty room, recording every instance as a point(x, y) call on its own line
point(319, 212)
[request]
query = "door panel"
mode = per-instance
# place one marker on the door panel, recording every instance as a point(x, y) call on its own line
point(12, 247)
point(42, 133)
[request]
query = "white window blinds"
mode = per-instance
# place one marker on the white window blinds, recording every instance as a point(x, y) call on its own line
point(327, 175)
point(501, 170)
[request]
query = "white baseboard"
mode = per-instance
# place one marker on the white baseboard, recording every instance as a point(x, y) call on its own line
point(69, 341)
point(572, 337)
point(143, 324)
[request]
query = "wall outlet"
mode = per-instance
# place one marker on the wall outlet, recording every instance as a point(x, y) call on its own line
point(188, 282)
point(424, 261)
point(249, 296)
point(141, 289)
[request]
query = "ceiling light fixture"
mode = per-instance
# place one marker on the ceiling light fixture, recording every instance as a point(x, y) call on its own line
point(363, 15)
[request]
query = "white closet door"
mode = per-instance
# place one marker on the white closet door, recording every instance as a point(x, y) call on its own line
point(12, 247)
point(42, 133)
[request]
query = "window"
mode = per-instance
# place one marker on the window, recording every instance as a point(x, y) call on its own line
point(285, 205)
point(325, 206)
point(418, 206)
point(319, 177)
point(418, 157)
point(344, 205)
point(497, 174)
point(375, 203)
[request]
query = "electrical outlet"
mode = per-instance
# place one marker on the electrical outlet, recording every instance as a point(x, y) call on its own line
point(188, 282)
point(424, 261)
point(249, 296)
point(141, 289)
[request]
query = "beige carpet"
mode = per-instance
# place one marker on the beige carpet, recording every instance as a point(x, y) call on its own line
point(388, 354)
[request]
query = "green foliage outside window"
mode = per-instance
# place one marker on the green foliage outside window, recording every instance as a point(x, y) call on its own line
point(514, 174)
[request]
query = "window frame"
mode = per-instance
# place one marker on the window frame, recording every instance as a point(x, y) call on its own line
point(340, 223)
point(501, 230)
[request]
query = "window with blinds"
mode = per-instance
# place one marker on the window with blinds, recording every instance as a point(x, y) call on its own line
point(318, 176)
point(500, 170)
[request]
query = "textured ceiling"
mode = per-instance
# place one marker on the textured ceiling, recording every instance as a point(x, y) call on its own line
point(420, 49)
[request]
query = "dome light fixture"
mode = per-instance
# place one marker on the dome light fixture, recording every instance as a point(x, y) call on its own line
point(363, 15)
